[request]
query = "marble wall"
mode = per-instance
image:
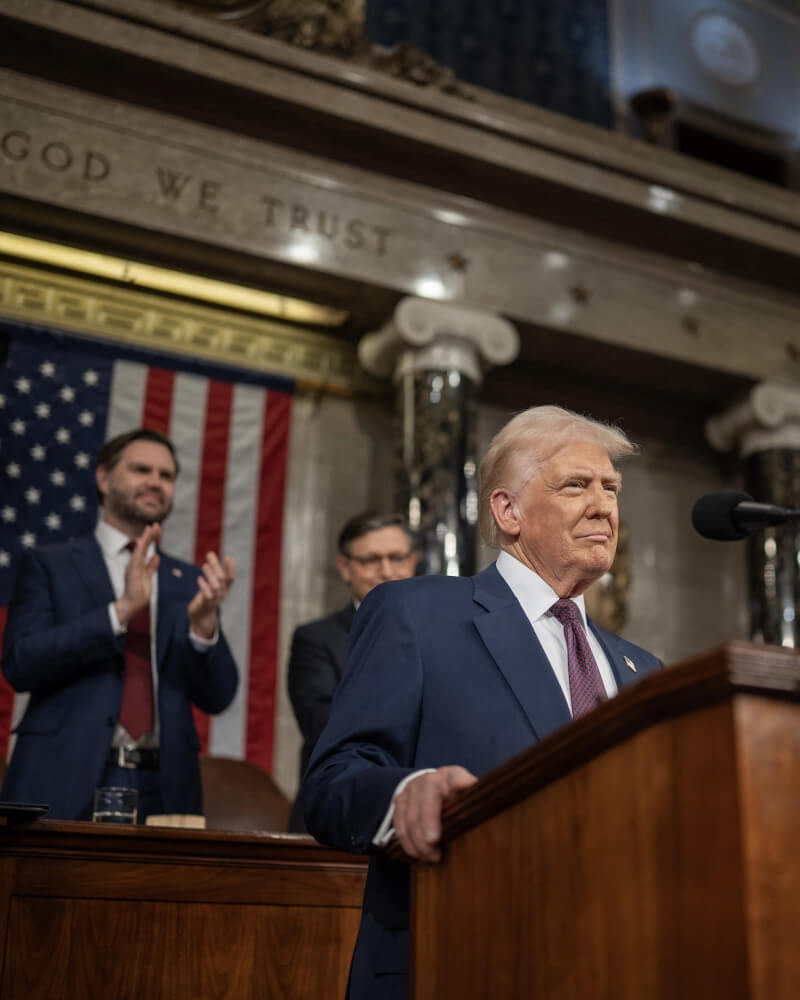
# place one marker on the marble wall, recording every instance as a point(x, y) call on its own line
point(686, 594)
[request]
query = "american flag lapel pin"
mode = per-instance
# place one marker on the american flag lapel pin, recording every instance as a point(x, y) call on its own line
point(176, 571)
point(629, 662)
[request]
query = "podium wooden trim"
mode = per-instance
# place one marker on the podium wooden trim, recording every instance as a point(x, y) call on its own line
point(649, 850)
point(132, 912)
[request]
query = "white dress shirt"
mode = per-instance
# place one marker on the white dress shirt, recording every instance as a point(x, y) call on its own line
point(536, 598)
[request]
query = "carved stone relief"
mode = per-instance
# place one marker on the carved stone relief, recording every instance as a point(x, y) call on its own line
point(332, 27)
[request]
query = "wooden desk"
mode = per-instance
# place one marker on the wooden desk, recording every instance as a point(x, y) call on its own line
point(101, 912)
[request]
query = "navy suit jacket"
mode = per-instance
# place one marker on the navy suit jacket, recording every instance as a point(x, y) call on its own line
point(316, 664)
point(442, 670)
point(59, 646)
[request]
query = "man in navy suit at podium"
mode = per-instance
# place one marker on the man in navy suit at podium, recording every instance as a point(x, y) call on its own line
point(115, 641)
point(449, 677)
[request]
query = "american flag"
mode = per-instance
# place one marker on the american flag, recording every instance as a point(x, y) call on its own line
point(61, 397)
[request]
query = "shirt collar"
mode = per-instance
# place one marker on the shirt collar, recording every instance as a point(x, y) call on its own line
point(535, 596)
point(111, 540)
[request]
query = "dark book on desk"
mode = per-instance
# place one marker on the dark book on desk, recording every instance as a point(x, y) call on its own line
point(22, 812)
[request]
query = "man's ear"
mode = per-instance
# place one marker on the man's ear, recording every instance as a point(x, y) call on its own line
point(343, 565)
point(504, 510)
point(101, 480)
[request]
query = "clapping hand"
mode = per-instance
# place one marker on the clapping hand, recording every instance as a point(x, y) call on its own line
point(139, 575)
point(212, 589)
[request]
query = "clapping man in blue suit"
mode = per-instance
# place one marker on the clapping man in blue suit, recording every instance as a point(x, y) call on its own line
point(448, 677)
point(115, 641)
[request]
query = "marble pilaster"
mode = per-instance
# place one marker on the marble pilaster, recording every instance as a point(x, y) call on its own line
point(437, 353)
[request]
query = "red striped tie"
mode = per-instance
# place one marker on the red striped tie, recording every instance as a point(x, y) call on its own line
point(136, 709)
point(586, 686)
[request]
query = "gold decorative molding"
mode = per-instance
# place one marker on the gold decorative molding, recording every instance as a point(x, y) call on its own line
point(138, 319)
point(151, 278)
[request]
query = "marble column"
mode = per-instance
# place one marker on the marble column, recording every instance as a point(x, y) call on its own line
point(437, 353)
point(765, 427)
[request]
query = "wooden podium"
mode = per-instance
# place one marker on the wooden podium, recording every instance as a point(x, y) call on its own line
point(649, 851)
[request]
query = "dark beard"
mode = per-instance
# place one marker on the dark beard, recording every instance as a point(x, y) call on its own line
point(126, 510)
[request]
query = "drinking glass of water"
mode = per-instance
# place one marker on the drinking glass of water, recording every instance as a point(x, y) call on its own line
point(115, 805)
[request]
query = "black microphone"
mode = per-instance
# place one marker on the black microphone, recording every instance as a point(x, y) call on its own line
point(731, 515)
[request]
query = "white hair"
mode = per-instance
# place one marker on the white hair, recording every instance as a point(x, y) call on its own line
point(529, 439)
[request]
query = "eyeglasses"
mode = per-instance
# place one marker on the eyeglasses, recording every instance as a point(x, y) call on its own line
point(373, 561)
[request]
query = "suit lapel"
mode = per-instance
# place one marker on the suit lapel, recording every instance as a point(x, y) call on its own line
point(90, 566)
point(512, 643)
point(623, 674)
point(173, 587)
point(339, 637)
point(345, 616)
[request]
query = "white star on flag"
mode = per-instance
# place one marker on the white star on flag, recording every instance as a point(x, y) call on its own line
point(23, 385)
point(5, 558)
point(53, 522)
point(38, 453)
point(57, 477)
point(32, 495)
point(67, 394)
point(13, 470)
point(47, 369)
point(18, 427)
point(42, 410)
point(86, 418)
point(82, 460)
point(77, 502)
point(8, 514)
point(90, 377)
point(28, 539)
point(62, 435)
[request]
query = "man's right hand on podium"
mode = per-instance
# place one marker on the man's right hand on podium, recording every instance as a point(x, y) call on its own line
point(418, 810)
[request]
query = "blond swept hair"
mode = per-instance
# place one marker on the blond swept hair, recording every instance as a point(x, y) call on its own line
point(529, 439)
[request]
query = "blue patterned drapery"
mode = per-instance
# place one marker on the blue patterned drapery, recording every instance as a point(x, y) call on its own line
point(554, 53)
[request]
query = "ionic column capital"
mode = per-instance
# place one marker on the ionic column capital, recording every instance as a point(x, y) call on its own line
point(423, 334)
point(768, 417)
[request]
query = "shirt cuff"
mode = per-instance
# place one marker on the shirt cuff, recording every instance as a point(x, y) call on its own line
point(386, 829)
point(201, 645)
point(116, 628)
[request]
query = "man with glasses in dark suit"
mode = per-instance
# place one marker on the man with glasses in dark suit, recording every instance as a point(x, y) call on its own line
point(373, 547)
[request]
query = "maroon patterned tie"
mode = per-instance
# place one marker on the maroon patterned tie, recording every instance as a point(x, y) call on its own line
point(136, 709)
point(586, 686)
